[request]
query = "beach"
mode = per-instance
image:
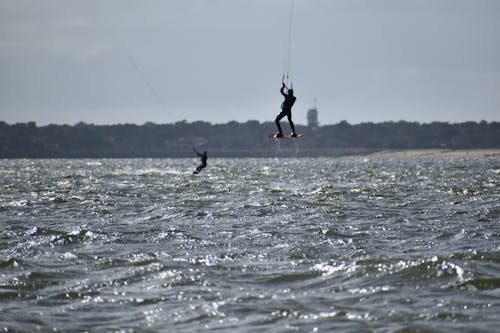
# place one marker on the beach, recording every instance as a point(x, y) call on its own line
point(440, 153)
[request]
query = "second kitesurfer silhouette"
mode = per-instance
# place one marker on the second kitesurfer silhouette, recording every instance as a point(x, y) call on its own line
point(203, 158)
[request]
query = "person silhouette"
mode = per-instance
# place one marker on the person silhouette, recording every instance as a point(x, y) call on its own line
point(286, 110)
point(203, 158)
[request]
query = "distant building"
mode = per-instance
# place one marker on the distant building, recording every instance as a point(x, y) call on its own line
point(312, 116)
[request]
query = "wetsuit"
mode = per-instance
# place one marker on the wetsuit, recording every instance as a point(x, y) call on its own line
point(286, 109)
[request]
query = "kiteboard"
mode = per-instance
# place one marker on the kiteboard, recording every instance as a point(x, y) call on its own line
point(285, 136)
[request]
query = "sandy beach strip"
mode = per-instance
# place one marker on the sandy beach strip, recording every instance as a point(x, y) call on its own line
point(436, 153)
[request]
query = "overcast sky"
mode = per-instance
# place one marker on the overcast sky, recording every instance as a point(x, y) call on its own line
point(132, 61)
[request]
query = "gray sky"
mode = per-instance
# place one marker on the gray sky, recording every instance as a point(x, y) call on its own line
point(132, 61)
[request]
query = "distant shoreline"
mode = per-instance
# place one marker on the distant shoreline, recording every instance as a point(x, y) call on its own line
point(436, 153)
point(250, 139)
point(301, 153)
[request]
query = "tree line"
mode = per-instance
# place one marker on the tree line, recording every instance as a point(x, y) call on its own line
point(236, 139)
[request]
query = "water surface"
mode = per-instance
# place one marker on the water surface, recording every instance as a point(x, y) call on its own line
point(250, 245)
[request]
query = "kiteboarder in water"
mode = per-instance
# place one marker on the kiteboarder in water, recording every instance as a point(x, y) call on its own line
point(203, 158)
point(286, 110)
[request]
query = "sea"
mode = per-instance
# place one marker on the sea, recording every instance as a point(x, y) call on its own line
point(346, 244)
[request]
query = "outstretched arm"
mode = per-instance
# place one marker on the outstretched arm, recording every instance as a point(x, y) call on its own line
point(282, 90)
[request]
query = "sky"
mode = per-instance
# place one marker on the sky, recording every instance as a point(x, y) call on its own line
point(164, 61)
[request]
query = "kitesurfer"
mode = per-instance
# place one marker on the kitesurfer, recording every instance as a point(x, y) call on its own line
point(286, 110)
point(203, 158)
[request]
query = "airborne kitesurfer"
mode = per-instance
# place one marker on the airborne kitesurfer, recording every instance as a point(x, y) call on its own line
point(286, 110)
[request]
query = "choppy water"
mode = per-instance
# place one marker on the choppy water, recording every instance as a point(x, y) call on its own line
point(250, 245)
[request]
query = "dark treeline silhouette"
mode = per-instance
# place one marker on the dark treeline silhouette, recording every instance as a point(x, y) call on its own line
point(236, 139)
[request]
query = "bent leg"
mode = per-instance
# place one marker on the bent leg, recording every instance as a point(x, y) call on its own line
point(201, 166)
point(277, 121)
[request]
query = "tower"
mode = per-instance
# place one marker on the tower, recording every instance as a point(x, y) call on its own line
point(312, 116)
